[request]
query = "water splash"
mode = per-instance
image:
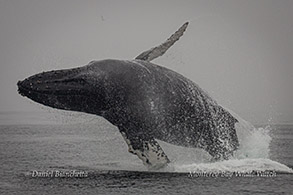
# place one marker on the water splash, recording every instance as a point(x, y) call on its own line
point(252, 155)
point(254, 143)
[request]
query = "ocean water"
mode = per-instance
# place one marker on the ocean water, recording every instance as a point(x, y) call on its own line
point(82, 154)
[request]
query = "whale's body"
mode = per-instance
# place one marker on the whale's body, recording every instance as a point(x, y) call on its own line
point(147, 102)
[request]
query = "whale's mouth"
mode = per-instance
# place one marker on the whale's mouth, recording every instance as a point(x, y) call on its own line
point(62, 89)
point(54, 83)
point(59, 90)
point(74, 89)
point(56, 99)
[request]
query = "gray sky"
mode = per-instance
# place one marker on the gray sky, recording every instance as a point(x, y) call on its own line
point(241, 52)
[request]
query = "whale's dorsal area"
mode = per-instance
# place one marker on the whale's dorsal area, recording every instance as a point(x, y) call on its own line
point(147, 102)
point(158, 51)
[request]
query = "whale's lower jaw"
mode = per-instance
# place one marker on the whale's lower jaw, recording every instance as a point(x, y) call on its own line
point(47, 99)
point(42, 98)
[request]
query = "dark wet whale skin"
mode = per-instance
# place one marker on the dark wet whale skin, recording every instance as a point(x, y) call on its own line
point(142, 99)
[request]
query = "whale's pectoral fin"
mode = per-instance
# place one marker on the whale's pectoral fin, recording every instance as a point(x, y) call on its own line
point(148, 150)
point(158, 51)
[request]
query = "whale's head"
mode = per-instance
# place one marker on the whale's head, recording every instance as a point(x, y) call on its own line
point(78, 89)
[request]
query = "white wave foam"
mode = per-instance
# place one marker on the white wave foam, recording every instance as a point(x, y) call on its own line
point(234, 165)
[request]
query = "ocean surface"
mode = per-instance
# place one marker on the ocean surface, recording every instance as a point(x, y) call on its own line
point(62, 153)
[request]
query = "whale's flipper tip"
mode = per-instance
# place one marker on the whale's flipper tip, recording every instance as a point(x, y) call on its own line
point(158, 51)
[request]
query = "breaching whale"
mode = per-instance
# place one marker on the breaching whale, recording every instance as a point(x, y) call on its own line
point(147, 102)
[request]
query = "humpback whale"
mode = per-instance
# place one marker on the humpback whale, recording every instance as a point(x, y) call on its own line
point(147, 102)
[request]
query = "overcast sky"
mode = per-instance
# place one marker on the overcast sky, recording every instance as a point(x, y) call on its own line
point(241, 52)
